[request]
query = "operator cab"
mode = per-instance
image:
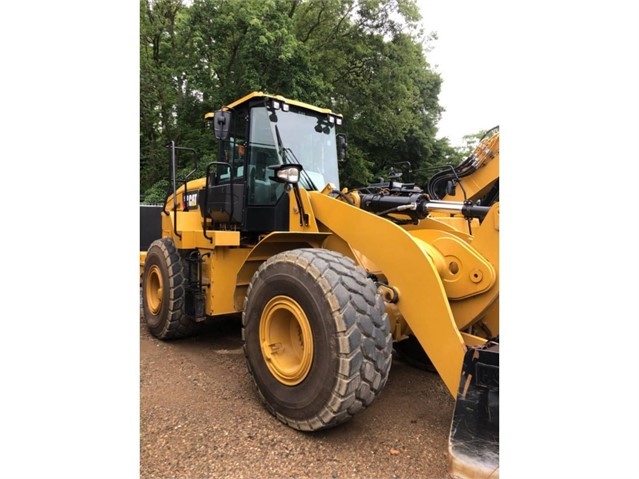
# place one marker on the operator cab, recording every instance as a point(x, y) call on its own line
point(258, 136)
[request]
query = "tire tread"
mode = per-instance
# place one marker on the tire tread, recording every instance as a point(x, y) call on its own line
point(359, 314)
point(177, 323)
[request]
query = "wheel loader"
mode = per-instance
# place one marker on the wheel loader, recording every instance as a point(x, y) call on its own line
point(327, 280)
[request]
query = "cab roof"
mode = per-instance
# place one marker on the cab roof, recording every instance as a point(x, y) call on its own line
point(259, 94)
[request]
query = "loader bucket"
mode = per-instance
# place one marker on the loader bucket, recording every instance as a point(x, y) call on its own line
point(474, 434)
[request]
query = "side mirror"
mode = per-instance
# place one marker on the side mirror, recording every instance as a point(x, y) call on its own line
point(222, 124)
point(341, 146)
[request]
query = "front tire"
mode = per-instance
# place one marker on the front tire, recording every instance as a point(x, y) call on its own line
point(316, 338)
point(164, 291)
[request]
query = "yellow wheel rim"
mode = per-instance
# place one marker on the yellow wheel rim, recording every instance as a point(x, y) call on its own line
point(153, 290)
point(286, 340)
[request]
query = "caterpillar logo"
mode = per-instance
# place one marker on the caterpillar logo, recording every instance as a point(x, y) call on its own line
point(190, 200)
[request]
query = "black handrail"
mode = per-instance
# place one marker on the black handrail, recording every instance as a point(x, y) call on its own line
point(173, 179)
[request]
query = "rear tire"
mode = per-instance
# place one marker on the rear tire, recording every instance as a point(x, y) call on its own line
point(163, 292)
point(316, 338)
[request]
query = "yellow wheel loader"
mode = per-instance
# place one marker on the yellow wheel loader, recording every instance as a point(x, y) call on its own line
point(328, 281)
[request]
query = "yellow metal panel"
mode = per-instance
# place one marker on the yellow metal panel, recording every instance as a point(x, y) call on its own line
point(486, 243)
point(193, 185)
point(270, 245)
point(225, 238)
point(465, 273)
point(483, 247)
point(472, 340)
point(189, 226)
point(335, 243)
point(220, 269)
point(294, 212)
point(456, 225)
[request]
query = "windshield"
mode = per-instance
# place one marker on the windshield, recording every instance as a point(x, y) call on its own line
point(305, 137)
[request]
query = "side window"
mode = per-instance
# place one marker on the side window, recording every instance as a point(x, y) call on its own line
point(235, 148)
point(262, 153)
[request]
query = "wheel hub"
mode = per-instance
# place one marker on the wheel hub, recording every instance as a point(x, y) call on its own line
point(286, 340)
point(153, 290)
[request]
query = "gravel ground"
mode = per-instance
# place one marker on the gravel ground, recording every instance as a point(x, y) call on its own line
point(200, 418)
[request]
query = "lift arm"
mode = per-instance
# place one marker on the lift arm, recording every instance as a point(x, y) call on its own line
point(422, 298)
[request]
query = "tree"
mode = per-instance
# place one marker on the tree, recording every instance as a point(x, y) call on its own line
point(362, 58)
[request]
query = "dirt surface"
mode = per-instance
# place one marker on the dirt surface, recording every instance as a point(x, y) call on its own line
point(200, 418)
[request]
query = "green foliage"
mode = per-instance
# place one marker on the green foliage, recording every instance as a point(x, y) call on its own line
point(362, 58)
point(157, 193)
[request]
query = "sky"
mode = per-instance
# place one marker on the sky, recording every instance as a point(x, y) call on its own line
point(465, 56)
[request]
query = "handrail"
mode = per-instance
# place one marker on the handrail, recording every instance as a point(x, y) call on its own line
point(173, 179)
